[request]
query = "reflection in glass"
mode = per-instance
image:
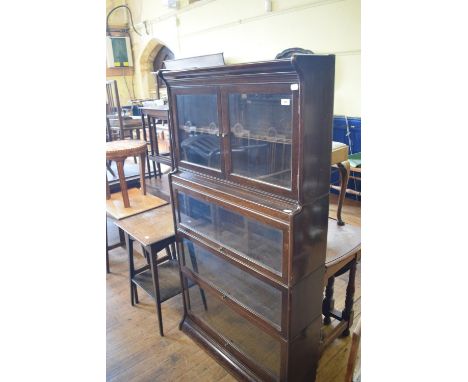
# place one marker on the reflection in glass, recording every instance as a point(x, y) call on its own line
point(261, 136)
point(197, 116)
point(232, 281)
point(238, 332)
point(250, 238)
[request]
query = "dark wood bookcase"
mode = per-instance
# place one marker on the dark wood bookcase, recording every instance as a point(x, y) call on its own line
point(251, 145)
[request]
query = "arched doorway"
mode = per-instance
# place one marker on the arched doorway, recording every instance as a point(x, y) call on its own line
point(164, 54)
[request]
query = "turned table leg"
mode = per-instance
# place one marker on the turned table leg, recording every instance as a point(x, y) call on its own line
point(123, 183)
point(142, 173)
point(348, 313)
point(344, 169)
point(328, 302)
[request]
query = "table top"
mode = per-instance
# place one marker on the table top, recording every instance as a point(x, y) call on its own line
point(342, 241)
point(138, 203)
point(126, 147)
point(151, 226)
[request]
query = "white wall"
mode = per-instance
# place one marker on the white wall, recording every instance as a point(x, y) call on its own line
point(244, 32)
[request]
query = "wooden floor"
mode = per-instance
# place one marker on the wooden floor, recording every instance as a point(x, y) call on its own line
point(136, 352)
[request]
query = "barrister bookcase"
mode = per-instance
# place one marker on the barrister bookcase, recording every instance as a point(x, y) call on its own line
point(250, 189)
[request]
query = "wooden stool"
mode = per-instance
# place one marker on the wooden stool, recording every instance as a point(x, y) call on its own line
point(343, 252)
point(154, 230)
point(339, 158)
point(119, 151)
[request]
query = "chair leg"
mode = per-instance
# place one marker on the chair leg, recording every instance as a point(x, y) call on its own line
point(348, 313)
point(328, 302)
point(154, 270)
point(123, 183)
point(344, 169)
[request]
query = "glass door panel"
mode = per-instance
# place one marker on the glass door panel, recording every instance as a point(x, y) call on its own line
point(250, 238)
point(234, 282)
point(238, 332)
point(261, 136)
point(199, 130)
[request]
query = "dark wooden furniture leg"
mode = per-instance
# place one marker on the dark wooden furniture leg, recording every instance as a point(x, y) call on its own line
point(145, 138)
point(142, 173)
point(328, 302)
point(173, 250)
point(107, 252)
point(122, 238)
point(344, 169)
point(151, 123)
point(131, 270)
point(154, 270)
point(123, 183)
point(108, 193)
point(348, 313)
point(156, 148)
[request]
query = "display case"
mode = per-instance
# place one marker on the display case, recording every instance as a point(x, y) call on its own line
point(249, 189)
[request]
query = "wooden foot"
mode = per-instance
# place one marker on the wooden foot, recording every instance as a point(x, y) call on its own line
point(344, 169)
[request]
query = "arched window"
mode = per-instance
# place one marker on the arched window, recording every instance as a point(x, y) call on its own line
point(164, 54)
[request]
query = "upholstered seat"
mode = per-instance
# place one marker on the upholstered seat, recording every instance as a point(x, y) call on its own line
point(339, 152)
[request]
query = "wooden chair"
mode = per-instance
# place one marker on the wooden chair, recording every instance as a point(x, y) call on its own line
point(343, 253)
point(119, 125)
point(339, 158)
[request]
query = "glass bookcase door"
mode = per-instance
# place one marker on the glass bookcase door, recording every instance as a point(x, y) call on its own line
point(261, 135)
point(199, 129)
point(245, 236)
point(238, 333)
point(231, 280)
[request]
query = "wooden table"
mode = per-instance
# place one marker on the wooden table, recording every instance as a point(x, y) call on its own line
point(119, 151)
point(154, 230)
point(116, 211)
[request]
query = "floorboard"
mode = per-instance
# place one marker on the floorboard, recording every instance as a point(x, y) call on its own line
point(136, 352)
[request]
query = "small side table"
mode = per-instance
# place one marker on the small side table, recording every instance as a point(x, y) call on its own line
point(154, 230)
point(119, 151)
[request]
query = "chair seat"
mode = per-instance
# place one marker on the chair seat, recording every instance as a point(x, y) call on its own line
point(343, 244)
point(339, 152)
point(124, 148)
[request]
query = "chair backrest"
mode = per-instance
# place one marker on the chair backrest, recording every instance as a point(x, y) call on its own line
point(113, 108)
